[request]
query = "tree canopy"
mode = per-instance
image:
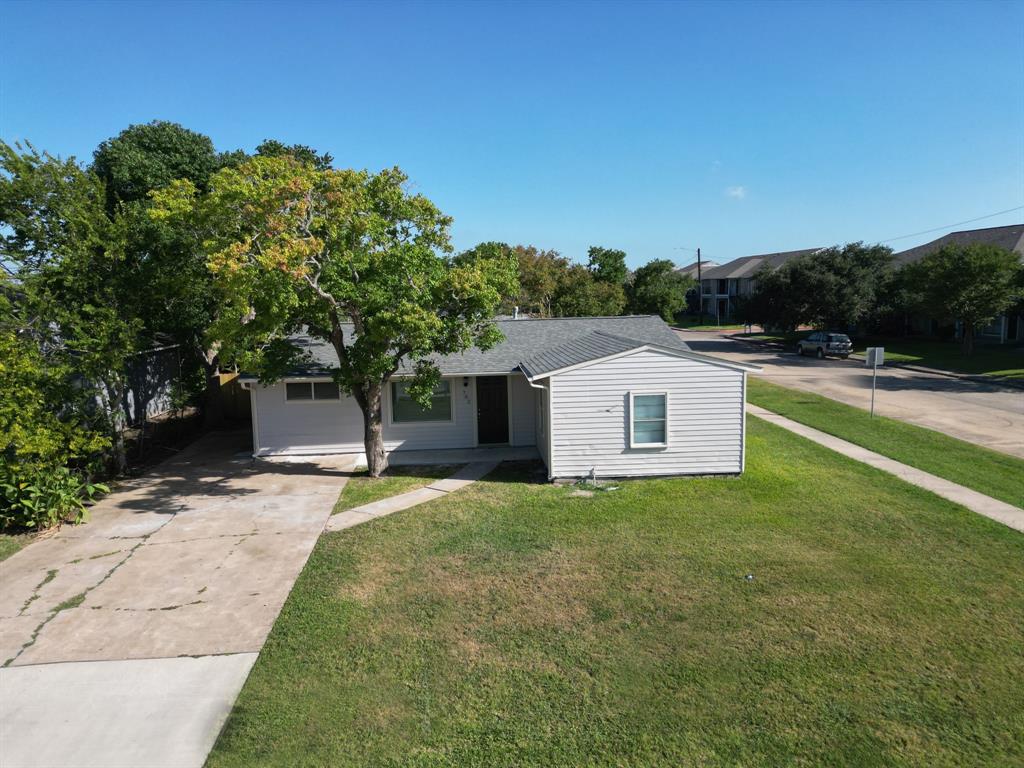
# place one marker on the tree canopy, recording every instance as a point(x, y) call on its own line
point(838, 287)
point(658, 289)
point(607, 265)
point(971, 283)
point(293, 246)
point(150, 156)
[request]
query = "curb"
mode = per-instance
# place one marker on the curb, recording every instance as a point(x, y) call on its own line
point(859, 357)
point(975, 377)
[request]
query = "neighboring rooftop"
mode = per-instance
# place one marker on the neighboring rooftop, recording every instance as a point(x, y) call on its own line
point(746, 266)
point(1010, 237)
point(691, 269)
point(527, 339)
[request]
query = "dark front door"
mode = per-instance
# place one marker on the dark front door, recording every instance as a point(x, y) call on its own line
point(492, 409)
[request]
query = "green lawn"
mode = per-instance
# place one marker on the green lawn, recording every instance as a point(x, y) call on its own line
point(999, 361)
point(990, 472)
point(694, 324)
point(11, 543)
point(513, 624)
point(363, 489)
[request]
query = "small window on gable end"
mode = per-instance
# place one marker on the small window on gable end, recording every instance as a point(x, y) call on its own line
point(325, 390)
point(298, 390)
point(648, 426)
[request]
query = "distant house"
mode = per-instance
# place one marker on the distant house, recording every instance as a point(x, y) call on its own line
point(690, 270)
point(721, 286)
point(1005, 328)
point(614, 396)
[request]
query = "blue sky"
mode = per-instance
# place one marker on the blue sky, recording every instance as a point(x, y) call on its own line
point(741, 128)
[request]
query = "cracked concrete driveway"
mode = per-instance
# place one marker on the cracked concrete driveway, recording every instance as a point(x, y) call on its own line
point(155, 609)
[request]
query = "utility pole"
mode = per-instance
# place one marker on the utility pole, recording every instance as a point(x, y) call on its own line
point(700, 292)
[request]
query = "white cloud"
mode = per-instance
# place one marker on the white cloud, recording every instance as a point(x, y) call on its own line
point(736, 193)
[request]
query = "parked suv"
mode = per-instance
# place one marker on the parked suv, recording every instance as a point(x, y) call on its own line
point(824, 343)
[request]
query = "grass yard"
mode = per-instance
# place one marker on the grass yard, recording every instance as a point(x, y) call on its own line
point(363, 489)
point(12, 542)
point(513, 624)
point(999, 361)
point(693, 324)
point(990, 472)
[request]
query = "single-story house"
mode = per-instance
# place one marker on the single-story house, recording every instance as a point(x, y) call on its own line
point(615, 396)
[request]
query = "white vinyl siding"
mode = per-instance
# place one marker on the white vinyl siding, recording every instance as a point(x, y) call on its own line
point(312, 427)
point(522, 407)
point(591, 426)
point(541, 423)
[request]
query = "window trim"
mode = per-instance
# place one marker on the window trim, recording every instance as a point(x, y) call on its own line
point(312, 392)
point(391, 406)
point(633, 394)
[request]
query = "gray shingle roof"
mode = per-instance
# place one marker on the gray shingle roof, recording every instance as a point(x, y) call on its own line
point(746, 266)
point(1011, 238)
point(691, 269)
point(593, 346)
point(527, 339)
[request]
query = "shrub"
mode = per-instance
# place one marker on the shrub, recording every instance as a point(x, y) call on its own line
point(43, 498)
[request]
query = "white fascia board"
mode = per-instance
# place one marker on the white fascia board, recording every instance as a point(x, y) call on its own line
point(685, 354)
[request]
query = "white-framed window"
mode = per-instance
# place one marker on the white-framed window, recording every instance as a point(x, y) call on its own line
point(405, 410)
point(306, 391)
point(648, 419)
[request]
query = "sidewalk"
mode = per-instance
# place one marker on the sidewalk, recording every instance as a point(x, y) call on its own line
point(994, 509)
point(384, 507)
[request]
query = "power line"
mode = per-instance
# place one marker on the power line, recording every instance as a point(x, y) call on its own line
point(950, 226)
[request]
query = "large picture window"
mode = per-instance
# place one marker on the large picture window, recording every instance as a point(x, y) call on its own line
point(405, 410)
point(311, 390)
point(648, 426)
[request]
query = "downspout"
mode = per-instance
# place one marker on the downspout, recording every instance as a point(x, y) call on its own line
point(550, 428)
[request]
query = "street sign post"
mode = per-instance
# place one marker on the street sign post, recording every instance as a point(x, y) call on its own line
point(874, 357)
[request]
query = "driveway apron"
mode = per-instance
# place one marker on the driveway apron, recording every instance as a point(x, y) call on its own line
point(155, 610)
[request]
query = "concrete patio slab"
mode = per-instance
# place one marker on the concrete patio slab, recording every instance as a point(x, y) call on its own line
point(158, 713)
point(459, 456)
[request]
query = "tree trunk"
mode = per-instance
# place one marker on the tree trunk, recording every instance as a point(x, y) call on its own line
point(968, 339)
point(114, 392)
point(373, 431)
point(213, 406)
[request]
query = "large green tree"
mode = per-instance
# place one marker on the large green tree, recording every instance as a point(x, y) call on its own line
point(970, 283)
point(150, 156)
point(838, 287)
point(658, 289)
point(173, 284)
point(73, 298)
point(579, 294)
point(608, 265)
point(351, 256)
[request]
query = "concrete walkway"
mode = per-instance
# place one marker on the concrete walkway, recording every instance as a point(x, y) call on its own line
point(1007, 514)
point(125, 641)
point(463, 477)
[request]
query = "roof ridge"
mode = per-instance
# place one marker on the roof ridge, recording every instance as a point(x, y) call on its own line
point(574, 317)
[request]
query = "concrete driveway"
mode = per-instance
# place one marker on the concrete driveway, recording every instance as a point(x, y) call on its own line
point(985, 414)
point(125, 641)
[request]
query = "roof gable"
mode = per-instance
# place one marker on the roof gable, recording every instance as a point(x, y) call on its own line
point(1011, 238)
